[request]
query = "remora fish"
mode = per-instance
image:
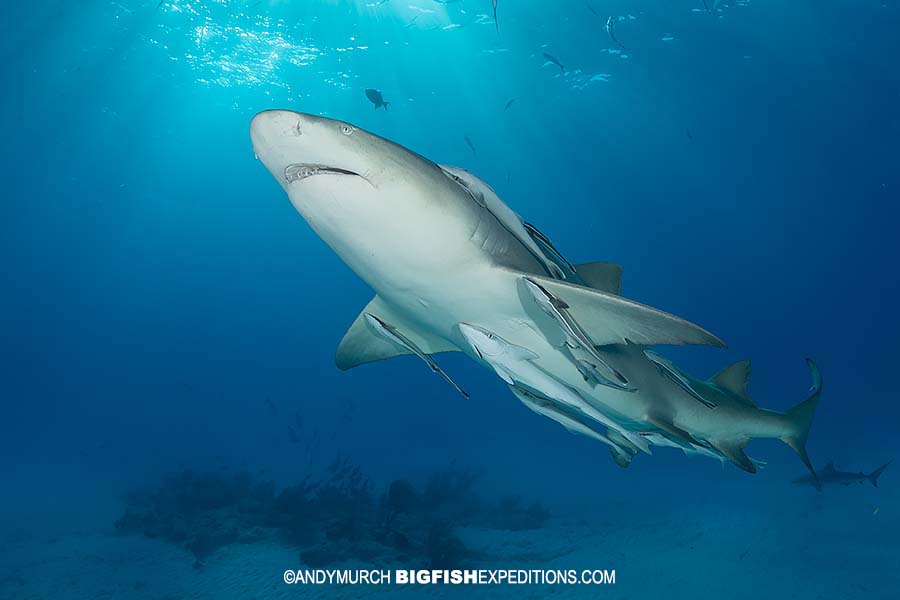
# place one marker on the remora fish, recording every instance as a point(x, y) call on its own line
point(552, 410)
point(831, 476)
point(439, 248)
point(576, 338)
point(514, 365)
point(376, 98)
point(390, 333)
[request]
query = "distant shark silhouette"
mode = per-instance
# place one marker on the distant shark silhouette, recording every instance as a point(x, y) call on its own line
point(831, 476)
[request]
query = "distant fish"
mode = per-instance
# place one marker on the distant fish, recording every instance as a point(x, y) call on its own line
point(470, 144)
point(298, 420)
point(830, 475)
point(510, 103)
point(593, 10)
point(376, 98)
point(272, 408)
point(554, 60)
point(688, 133)
point(496, 24)
point(611, 32)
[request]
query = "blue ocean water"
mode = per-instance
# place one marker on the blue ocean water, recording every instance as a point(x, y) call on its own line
point(164, 307)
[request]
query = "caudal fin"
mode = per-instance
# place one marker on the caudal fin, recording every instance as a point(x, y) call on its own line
point(874, 475)
point(385, 105)
point(801, 417)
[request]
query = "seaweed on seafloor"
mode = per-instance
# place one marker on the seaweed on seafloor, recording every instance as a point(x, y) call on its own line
point(201, 513)
point(332, 518)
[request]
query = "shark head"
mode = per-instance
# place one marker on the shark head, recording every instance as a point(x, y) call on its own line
point(310, 153)
point(365, 196)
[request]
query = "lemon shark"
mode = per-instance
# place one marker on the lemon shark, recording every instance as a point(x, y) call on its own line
point(440, 249)
point(829, 475)
point(713, 417)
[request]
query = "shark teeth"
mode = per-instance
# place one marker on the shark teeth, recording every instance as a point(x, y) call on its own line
point(297, 171)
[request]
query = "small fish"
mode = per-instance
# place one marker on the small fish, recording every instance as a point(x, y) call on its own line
point(510, 103)
point(553, 60)
point(496, 24)
point(593, 10)
point(688, 133)
point(875, 512)
point(611, 32)
point(292, 435)
point(376, 98)
point(470, 144)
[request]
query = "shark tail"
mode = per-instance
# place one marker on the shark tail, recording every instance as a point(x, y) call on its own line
point(385, 105)
point(874, 475)
point(800, 419)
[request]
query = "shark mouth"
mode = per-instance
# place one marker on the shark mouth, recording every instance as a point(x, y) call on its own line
point(298, 171)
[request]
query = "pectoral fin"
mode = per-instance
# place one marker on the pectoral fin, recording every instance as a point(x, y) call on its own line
point(363, 345)
point(610, 319)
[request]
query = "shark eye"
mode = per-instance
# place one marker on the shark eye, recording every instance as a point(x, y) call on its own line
point(346, 129)
point(490, 336)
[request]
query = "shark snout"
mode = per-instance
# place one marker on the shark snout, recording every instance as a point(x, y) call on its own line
point(271, 126)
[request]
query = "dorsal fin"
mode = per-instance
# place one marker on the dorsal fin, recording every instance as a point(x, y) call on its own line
point(603, 276)
point(735, 379)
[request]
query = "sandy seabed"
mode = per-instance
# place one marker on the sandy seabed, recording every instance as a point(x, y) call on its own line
point(844, 543)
